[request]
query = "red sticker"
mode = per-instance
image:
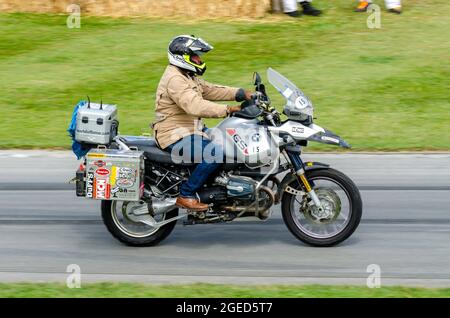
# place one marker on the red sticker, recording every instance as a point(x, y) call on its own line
point(231, 131)
point(102, 189)
point(102, 172)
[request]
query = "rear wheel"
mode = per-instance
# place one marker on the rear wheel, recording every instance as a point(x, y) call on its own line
point(121, 221)
point(342, 205)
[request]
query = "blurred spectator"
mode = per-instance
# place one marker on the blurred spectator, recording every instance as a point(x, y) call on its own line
point(290, 8)
point(394, 6)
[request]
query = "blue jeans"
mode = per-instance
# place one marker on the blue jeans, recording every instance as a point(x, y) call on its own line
point(206, 164)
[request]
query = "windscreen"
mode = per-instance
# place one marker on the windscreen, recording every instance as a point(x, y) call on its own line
point(294, 96)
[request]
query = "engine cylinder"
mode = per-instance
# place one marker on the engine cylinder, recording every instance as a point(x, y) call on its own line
point(241, 187)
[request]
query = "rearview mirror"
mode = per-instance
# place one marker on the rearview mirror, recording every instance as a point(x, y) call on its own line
point(257, 78)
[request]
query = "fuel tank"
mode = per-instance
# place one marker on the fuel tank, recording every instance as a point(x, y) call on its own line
point(245, 141)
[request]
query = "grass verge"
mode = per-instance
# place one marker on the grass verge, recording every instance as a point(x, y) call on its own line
point(214, 291)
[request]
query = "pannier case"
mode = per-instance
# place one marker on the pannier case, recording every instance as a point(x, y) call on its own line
point(113, 174)
point(96, 124)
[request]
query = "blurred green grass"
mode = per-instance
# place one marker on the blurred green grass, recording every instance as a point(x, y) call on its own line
point(111, 290)
point(384, 89)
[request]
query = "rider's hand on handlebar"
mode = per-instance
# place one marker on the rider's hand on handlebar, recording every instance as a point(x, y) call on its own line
point(233, 109)
point(249, 95)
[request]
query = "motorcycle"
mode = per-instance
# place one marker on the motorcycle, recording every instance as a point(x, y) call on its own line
point(320, 205)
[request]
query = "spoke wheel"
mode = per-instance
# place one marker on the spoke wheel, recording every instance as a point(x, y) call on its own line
point(342, 209)
point(122, 219)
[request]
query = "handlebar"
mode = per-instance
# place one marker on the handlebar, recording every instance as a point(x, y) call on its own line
point(270, 114)
point(262, 101)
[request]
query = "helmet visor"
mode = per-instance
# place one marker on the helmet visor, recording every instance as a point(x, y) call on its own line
point(200, 46)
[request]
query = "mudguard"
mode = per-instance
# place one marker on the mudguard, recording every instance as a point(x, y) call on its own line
point(329, 138)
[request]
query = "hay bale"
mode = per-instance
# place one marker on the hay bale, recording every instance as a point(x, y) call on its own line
point(151, 8)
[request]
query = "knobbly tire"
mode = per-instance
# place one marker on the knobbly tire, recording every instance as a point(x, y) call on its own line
point(150, 240)
point(355, 201)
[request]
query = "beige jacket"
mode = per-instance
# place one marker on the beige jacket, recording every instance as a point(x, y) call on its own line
point(181, 102)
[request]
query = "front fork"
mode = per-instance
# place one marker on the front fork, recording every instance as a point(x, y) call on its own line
point(299, 170)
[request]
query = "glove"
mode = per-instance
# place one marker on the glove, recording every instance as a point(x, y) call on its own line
point(243, 95)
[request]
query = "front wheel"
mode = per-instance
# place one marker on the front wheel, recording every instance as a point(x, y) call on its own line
point(122, 222)
point(342, 205)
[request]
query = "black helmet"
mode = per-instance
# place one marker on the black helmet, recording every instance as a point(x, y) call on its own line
point(184, 51)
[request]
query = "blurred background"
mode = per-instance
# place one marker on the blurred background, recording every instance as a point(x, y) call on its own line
point(380, 89)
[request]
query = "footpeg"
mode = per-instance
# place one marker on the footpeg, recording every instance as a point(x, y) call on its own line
point(190, 220)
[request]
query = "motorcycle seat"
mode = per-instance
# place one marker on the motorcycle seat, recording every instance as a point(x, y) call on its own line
point(151, 150)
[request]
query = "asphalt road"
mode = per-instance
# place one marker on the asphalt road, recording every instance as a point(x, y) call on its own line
point(405, 230)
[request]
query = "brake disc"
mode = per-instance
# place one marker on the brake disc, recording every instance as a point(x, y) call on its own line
point(331, 204)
